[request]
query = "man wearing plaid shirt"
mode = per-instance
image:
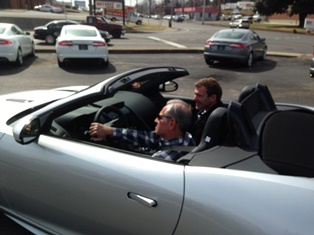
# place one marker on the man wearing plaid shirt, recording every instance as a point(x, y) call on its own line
point(171, 130)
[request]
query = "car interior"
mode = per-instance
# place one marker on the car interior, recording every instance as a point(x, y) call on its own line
point(250, 133)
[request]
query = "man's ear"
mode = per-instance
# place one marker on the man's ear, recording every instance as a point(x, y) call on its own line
point(213, 97)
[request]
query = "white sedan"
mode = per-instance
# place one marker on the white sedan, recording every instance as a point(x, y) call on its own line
point(77, 42)
point(15, 44)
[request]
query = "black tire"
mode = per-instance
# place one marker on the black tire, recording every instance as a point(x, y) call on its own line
point(60, 64)
point(33, 53)
point(116, 34)
point(249, 60)
point(138, 22)
point(264, 54)
point(209, 61)
point(50, 39)
point(19, 58)
point(106, 63)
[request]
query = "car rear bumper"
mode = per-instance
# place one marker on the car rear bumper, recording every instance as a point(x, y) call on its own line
point(223, 57)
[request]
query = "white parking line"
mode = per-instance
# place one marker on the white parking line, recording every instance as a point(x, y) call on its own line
point(168, 42)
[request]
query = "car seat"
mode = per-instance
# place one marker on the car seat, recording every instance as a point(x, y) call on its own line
point(215, 130)
point(287, 142)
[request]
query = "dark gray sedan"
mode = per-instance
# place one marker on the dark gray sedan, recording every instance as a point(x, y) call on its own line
point(241, 45)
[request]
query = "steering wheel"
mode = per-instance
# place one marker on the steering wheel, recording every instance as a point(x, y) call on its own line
point(111, 116)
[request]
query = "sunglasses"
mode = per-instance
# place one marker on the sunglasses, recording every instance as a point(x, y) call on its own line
point(159, 117)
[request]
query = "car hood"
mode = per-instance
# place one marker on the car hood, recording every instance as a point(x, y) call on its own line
point(14, 103)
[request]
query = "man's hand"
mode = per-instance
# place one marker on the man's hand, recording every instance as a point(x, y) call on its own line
point(98, 132)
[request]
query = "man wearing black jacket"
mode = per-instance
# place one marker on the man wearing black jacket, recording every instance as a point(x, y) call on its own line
point(207, 97)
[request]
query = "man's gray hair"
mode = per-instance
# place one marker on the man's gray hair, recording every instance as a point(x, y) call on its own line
point(181, 112)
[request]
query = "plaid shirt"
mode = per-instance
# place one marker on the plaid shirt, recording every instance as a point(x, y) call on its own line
point(150, 140)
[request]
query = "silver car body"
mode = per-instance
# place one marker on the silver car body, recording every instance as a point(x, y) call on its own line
point(15, 43)
point(235, 44)
point(53, 184)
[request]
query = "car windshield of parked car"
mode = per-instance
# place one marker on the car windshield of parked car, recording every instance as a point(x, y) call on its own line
point(229, 35)
point(80, 33)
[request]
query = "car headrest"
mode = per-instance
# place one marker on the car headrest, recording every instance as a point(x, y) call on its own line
point(287, 142)
point(215, 130)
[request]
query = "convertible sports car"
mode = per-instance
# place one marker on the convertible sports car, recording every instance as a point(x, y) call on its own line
point(252, 173)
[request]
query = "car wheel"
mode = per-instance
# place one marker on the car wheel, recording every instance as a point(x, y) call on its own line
point(33, 53)
point(116, 34)
point(50, 39)
point(249, 60)
point(19, 58)
point(138, 22)
point(106, 63)
point(311, 74)
point(209, 61)
point(264, 54)
point(60, 64)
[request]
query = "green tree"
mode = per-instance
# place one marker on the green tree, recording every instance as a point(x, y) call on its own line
point(293, 7)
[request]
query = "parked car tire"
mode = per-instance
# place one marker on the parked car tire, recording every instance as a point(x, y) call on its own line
point(264, 54)
point(60, 64)
point(33, 53)
point(19, 58)
point(116, 34)
point(249, 60)
point(50, 39)
point(106, 63)
point(139, 22)
point(209, 61)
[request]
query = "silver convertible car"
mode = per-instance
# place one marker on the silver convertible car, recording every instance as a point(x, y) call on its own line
point(252, 173)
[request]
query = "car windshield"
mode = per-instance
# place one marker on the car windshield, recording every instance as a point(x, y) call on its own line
point(80, 32)
point(229, 35)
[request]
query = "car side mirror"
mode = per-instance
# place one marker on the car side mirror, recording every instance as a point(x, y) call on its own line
point(26, 132)
point(168, 86)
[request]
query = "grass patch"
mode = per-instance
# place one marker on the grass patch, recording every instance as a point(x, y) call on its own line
point(278, 27)
point(144, 27)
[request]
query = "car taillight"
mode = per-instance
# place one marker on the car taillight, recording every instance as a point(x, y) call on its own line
point(99, 44)
point(66, 43)
point(5, 42)
point(209, 43)
point(237, 45)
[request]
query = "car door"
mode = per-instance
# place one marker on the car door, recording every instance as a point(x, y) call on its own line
point(71, 186)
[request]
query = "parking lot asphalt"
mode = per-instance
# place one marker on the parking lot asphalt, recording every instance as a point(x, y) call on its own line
point(130, 50)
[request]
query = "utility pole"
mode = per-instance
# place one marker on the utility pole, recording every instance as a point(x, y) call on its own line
point(90, 7)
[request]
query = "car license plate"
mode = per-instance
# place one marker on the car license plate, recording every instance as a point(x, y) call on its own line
point(83, 47)
point(221, 48)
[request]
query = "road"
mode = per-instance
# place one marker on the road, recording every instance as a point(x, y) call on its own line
point(287, 78)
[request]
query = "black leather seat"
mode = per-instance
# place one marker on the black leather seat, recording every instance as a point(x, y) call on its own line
point(287, 142)
point(258, 103)
point(241, 129)
point(215, 130)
